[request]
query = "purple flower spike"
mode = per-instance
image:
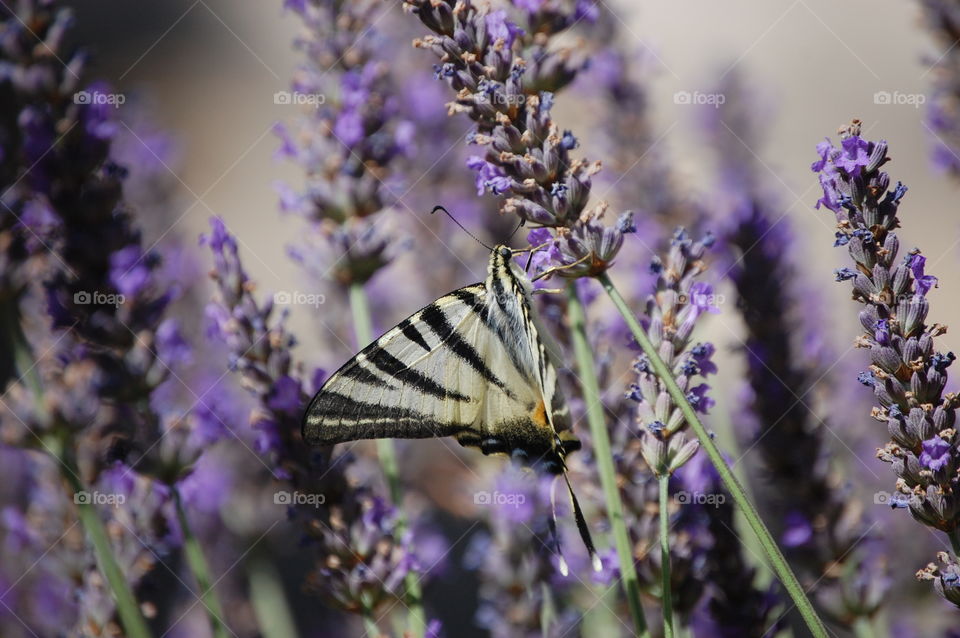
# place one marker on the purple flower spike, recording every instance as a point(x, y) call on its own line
point(907, 375)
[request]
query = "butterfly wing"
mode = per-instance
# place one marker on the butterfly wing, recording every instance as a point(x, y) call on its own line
point(439, 372)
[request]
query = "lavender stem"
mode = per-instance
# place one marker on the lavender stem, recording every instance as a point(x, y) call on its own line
point(863, 628)
point(772, 551)
point(270, 605)
point(200, 569)
point(665, 582)
point(363, 331)
point(604, 458)
point(127, 608)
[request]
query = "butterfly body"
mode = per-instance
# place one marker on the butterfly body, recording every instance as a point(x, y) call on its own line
point(476, 365)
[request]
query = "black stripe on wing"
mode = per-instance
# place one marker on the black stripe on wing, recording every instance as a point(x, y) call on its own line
point(435, 318)
point(410, 331)
point(483, 311)
point(337, 418)
point(362, 374)
point(397, 369)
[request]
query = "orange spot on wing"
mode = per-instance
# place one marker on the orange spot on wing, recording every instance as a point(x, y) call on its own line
point(539, 415)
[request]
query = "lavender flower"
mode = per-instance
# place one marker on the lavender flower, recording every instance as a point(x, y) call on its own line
point(62, 196)
point(363, 559)
point(108, 342)
point(518, 555)
point(364, 564)
point(678, 301)
point(348, 143)
point(907, 375)
point(260, 352)
point(505, 83)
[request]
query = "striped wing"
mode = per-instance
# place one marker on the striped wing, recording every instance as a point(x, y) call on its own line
point(458, 367)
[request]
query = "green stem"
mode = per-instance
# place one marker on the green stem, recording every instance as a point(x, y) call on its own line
point(604, 459)
point(270, 606)
point(363, 329)
point(127, 608)
point(769, 545)
point(863, 628)
point(24, 366)
point(666, 593)
point(200, 569)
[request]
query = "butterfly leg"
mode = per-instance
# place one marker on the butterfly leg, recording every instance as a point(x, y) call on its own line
point(550, 271)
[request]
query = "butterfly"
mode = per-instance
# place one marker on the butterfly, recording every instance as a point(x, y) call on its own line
point(476, 365)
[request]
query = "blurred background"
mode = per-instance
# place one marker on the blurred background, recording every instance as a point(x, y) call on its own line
point(205, 73)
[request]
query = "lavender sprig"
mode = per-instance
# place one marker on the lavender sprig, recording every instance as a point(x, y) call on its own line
point(347, 147)
point(673, 310)
point(89, 404)
point(907, 374)
point(672, 313)
point(517, 555)
point(526, 156)
point(348, 143)
point(730, 482)
point(365, 557)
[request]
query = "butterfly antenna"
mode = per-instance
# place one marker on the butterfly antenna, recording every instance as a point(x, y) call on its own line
point(554, 536)
point(519, 226)
point(582, 527)
point(464, 228)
